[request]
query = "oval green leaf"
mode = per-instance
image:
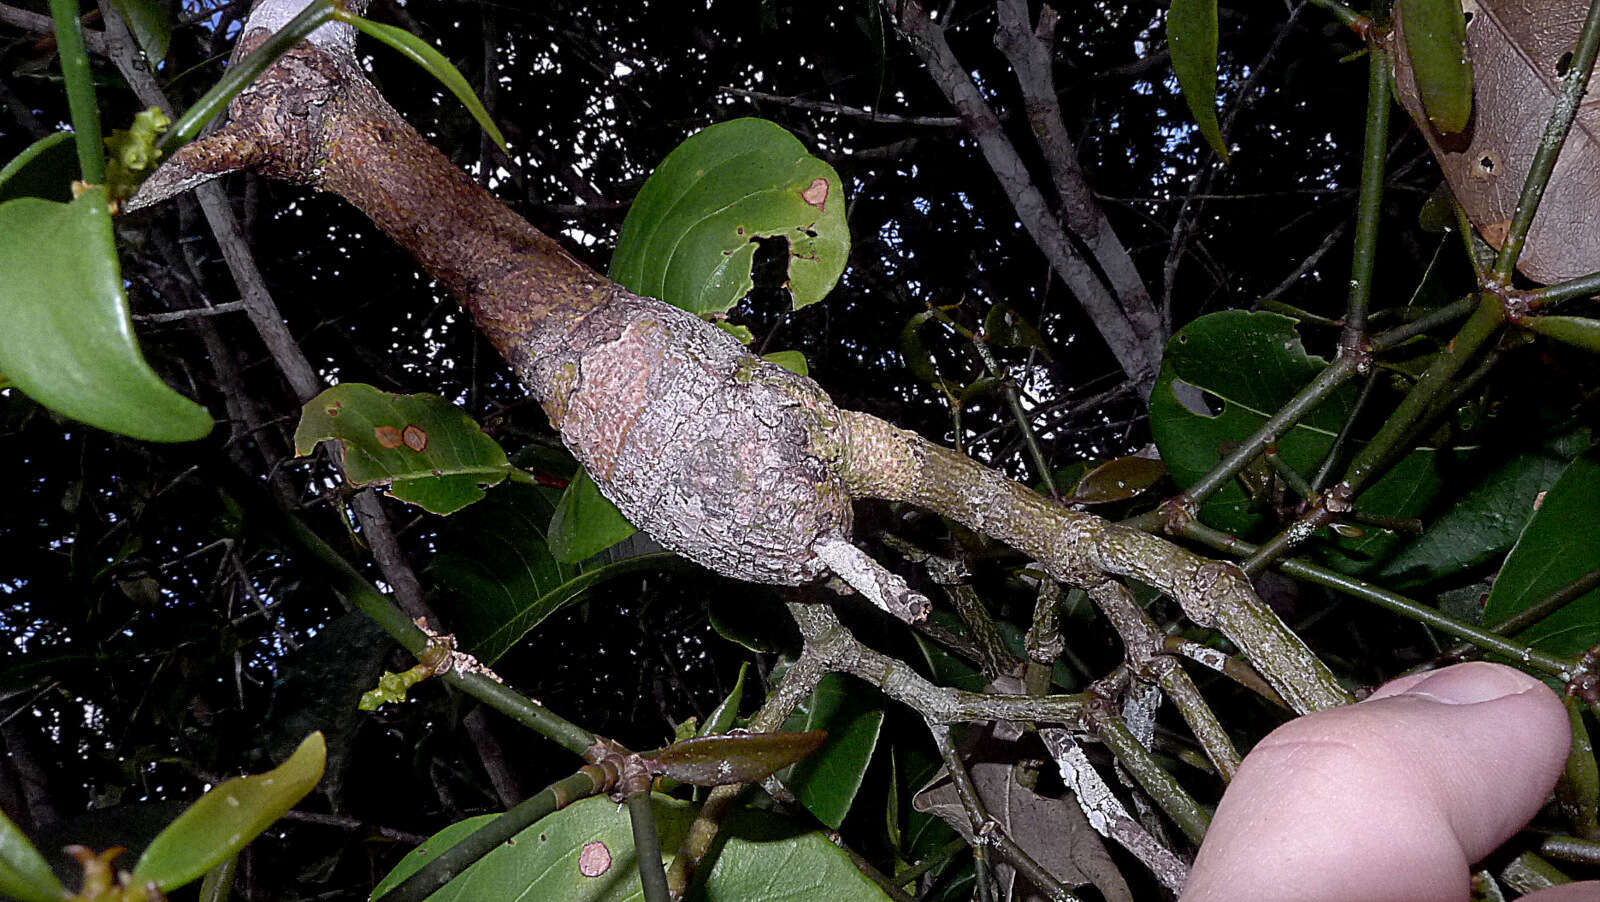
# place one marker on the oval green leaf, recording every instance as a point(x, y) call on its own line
point(689, 238)
point(1434, 34)
point(24, 874)
point(827, 782)
point(793, 361)
point(584, 853)
point(585, 522)
point(46, 169)
point(227, 818)
point(732, 757)
point(434, 63)
point(1192, 40)
point(68, 341)
point(1559, 544)
point(1118, 480)
point(1579, 331)
point(425, 449)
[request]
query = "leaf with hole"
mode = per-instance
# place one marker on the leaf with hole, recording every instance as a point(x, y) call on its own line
point(1558, 545)
point(689, 238)
point(68, 341)
point(1192, 40)
point(426, 450)
point(1520, 53)
point(584, 853)
point(227, 818)
point(1248, 365)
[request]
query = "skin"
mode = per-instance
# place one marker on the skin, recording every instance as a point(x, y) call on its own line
point(1392, 799)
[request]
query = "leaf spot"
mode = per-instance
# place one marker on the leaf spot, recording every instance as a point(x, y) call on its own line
point(416, 438)
point(233, 801)
point(594, 860)
point(388, 436)
point(816, 193)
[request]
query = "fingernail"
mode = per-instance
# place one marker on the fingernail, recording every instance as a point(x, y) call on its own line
point(1468, 684)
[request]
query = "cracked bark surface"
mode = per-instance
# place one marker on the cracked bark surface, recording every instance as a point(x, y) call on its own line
point(730, 461)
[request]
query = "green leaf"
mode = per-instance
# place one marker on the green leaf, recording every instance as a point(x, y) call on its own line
point(1435, 34)
point(585, 522)
point(148, 21)
point(723, 716)
point(689, 238)
point(1579, 331)
point(24, 873)
point(1559, 544)
point(227, 818)
point(915, 352)
point(1486, 519)
point(827, 782)
point(68, 342)
point(1118, 480)
point(732, 757)
point(1007, 328)
point(793, 361)
point(434, 63)
point(425, 449)
point(45, 169)
point(1251, 364)
point(497, 578)
point(1192, 39)
point(584, 853)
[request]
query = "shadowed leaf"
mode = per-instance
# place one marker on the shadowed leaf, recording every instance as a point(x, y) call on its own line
point(24, 874)
point(1192, 38)
point(434, 63)
point(689, 238)
point(45, 169)
point(1435, 37)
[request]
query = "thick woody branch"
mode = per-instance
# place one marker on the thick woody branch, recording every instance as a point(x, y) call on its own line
point(885, 462)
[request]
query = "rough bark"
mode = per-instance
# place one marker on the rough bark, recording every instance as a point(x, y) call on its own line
point(734, 463)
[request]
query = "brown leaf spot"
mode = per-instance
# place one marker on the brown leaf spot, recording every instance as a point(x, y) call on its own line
point(333, 409)
point(1495, 232)
point(416, 438)
point(816, 193)
point(388, 436)
point(594, 860)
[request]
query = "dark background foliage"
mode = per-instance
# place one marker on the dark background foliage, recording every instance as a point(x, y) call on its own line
point(157, 643)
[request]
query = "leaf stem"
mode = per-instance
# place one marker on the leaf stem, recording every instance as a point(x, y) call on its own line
point(1369, 206)
point(647, 848)
point(80, 90)
point(452, 861)
point(1391, 601)
point(1562, 115)
point(1572, 289)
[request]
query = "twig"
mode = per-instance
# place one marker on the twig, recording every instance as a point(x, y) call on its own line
point(1107, 815)
point(849, 112)
point(647, 847)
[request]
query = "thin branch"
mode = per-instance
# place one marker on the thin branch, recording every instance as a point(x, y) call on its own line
point(849, 112)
